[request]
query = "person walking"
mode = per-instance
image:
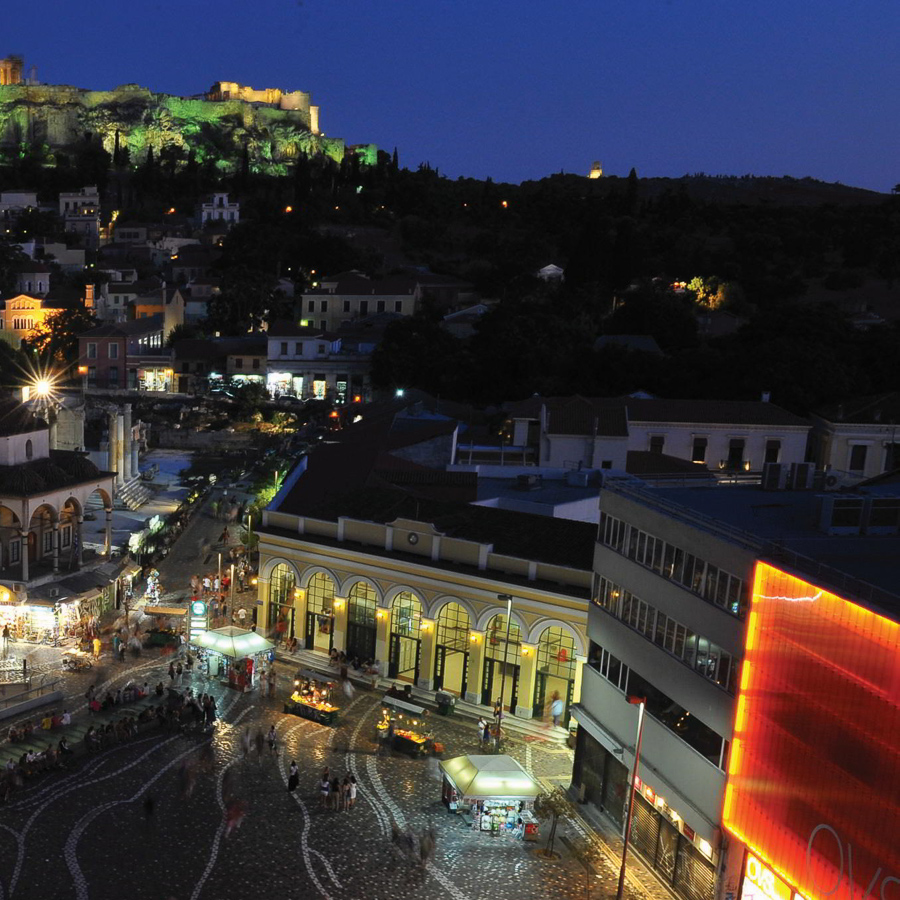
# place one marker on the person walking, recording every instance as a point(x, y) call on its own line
point(224, 536)
point(179, 671)
point(557, 708)
point(483, 732)
point(293, 777)
point(97, 646)
point(171, 672)
point(271, 678)
point(351, 800)
point(272, 739)
point(324, 790)
point(345, 793)
point(5, 639)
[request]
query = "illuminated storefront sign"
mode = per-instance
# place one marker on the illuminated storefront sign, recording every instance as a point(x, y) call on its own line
point(812, 786)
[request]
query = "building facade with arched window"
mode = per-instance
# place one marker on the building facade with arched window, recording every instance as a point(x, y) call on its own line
point(428, 604)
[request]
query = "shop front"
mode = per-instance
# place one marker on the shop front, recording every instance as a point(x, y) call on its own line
point(404, 652)
point(282, 594)
point(312, 698)
point(495, 791)
point(154, 378)
point(361, 628)
point(233, 655)
point(502, 663)
point(320, 613)
point(451, 656)
point(667, 844)
point(35, 622)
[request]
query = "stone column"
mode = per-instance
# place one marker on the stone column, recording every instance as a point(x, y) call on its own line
point(107, 541)
point(476, 666)
point(340, 623)
point(527, 675)
point(120, 451)
point(126, 447)
point(79, 556)
point(23, 534)
point(113, 429)
point(135, 459)
point(55, 548)
point(426, 654)
point(382, 636)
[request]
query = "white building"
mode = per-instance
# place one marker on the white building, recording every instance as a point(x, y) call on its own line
point(859, 438)
point(218, 208)
point(597, 433)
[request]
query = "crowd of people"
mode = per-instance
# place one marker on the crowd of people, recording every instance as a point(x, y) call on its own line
point(334, 794)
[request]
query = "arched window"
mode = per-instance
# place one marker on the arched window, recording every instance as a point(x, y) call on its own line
point(453, 627)
point(495, 640)
point(320, 595)
point(281, 585)
point(556, 653)
point(406, 615)
point(362, 604)
point(29, 449)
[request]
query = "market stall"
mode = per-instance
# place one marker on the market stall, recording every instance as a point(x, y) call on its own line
point(495, 790)
point(168, 625)
point(36, 621)
point(234, 654)
point(404, 724)
point(312, 697)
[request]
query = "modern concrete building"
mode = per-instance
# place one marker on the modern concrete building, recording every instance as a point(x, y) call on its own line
point(673, 574)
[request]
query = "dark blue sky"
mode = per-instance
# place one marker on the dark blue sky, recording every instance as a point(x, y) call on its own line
point(519, 90)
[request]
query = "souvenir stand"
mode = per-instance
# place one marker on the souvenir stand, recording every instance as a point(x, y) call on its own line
point(233, 654)
point(495, 790)
point(410, 734)
point(168, 623)
point(312, 697)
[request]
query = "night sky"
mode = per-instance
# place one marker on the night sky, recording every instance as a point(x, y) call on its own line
point(522, 90)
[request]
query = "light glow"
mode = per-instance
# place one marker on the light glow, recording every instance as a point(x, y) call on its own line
point(812, 768)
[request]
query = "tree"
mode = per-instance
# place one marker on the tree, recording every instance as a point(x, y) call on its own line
point(550, 806)
point(56, 339)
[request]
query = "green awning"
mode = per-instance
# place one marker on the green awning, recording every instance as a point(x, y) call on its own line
point(232, 642)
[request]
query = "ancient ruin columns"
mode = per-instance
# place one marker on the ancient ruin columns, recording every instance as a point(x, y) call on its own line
point(128, 443)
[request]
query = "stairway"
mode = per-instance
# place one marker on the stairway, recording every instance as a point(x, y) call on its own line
point(134, 494)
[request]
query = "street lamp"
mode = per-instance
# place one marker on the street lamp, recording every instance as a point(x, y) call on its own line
point(508, 599)
point(641, 703)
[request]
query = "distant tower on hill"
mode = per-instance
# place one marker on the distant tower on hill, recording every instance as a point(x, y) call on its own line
point(596, 170)
point(11, 70)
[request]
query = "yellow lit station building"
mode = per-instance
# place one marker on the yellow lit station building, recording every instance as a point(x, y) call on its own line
point(386, 559)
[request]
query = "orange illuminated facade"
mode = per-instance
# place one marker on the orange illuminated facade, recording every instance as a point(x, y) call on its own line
point(813, 785)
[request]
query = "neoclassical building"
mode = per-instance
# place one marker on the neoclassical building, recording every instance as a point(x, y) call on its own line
point(45, 495)
point(350, 559)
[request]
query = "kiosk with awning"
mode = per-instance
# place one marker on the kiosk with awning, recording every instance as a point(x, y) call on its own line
point(169, 622)
point(495, 790)
point(311, 698)
point(242, 651)
point(408, 720)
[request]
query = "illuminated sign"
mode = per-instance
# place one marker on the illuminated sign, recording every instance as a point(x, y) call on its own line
point(812, 787)
point(198, 608)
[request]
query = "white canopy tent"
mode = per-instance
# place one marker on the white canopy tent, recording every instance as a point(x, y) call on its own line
point(235, 643)
point(489, 778)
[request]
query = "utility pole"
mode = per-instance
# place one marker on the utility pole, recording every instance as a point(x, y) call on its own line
point(640, 702)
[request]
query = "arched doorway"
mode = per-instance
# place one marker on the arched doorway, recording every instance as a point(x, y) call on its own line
point(282, 584)
point(11, 543)
point(405, 647)
point(320, 613)
point(69, 534)
point(361, 622)
point(40, 539)
point(500, 656)
point(451, 654)
point(555, 671)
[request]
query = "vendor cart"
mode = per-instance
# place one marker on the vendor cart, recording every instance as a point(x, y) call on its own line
point(311, 698)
